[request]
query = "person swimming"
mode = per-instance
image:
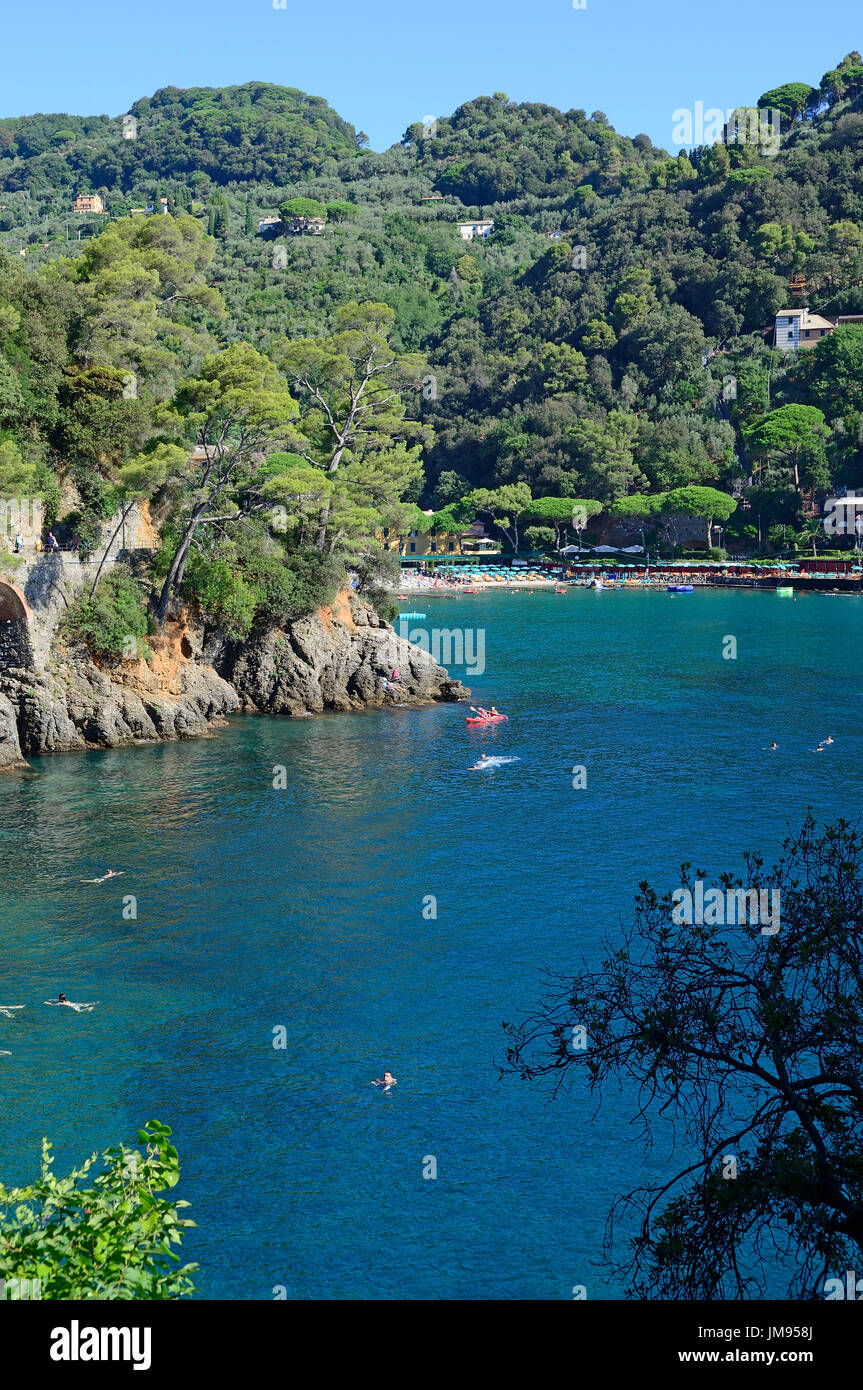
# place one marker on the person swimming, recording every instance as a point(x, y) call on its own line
point(68, 1004)
point(774, 745)
point(828, 739)
point(112, 873)
point(487, 762)
point(386, 1081)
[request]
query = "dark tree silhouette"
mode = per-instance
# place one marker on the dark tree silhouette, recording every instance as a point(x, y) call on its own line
point(753, 1042)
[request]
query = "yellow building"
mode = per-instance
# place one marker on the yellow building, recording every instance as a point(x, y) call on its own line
point(421, 544)
point(89, 202)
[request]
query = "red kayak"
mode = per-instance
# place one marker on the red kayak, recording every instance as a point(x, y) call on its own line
point(492, 719)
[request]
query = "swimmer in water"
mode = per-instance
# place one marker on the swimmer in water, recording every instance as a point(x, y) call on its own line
point(68, 1004)
point(386, 1081)
point(484, 760)
point(828, 739)
point(112, 873)
point(774, 745)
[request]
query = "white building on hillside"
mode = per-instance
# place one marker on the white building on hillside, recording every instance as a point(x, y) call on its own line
point(469, 230)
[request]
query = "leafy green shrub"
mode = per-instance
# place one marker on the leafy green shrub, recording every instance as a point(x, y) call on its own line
point(105, 1235)
point(317, 580)
point(249, 584)
point(377, 573)
point(224, 597)
point(115, 617)
point(539, 537)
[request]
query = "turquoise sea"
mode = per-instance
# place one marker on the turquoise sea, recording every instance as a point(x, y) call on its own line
point(302, 909)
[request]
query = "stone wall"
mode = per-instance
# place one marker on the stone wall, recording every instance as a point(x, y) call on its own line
point(15, 648)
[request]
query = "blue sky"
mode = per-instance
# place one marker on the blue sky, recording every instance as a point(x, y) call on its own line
point(386, 63)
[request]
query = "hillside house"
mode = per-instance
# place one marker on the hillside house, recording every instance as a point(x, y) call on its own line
point(305, 226)
point(470, 230)
point(800, 328)
point(89, 202)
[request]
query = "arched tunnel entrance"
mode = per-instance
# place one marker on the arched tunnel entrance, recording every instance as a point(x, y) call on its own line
point(15, 649)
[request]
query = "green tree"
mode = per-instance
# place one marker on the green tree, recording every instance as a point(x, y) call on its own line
point(504, 506)
point(137, 481)
point(835, 370)
point(706, 502)
point(103, 1233)
point(303, 208)
point(796, 435)
point(239, 406)
point(793, 99)
point(605, 451)
point(351, 388)
point(752, 1042)
point(562, 513)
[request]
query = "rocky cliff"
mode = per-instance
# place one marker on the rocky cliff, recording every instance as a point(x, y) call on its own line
point(342, 658)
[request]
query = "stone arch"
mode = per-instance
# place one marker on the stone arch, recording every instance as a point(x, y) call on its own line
point(15, 648)
point(13, 605)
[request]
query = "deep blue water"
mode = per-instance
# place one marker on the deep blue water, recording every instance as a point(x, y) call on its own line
point(302, 908)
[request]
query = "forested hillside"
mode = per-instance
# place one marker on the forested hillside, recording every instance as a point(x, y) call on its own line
point(609, 341)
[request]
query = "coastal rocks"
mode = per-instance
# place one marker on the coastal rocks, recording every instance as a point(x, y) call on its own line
point(10, 747)
point(75, 705)
point(338, 659)
point(341, 658)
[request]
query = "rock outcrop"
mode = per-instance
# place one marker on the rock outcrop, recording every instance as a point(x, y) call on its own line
point(10, 744)
point(74, 705)
point(343, 657)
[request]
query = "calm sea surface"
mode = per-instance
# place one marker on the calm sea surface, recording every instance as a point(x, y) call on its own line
point(302, 909)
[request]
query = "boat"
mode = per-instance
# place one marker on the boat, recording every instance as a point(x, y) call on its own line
point(561, 591)
point(492, 719)
point(785, 589)
point(595, 584)
point(681, 588)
